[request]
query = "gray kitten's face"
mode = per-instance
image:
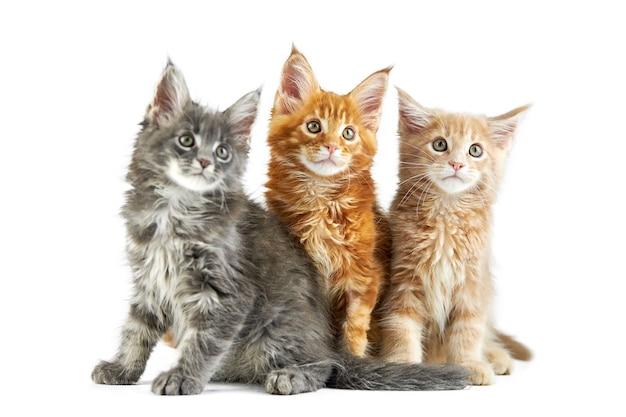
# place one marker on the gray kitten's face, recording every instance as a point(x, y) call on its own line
point(190, 146)
point(199, 164)
point(197, 151)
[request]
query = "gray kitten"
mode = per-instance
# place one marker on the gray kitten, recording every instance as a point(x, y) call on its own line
point(243, 301)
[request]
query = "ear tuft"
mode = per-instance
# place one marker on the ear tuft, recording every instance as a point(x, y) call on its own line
point(502, 128)
point(413, 118)
point(242, 114)
point(369, 95)
point(297, 82)
point(170, 98)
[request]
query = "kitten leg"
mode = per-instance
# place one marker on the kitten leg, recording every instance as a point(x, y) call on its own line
point(298, 379)
point(141, 333)
point(498, 356)
point(465, 338)
point(212, 316)
point(201, 352)
point(358, 316)
point(402, 325)
point(499, 359)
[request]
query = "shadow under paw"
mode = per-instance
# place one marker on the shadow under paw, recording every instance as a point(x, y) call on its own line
point(174, 382)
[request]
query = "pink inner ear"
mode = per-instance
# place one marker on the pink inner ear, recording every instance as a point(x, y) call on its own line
point(370, 109)
point(162, 103)
point(170, 97)
point(296, 84)
point(502, 131)
point(369, 95)
point(373, 103)
point(289, 94)
point(411, 120)
point(290, 85)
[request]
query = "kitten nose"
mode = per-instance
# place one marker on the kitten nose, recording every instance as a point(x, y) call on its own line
point(331, 148)
point(456, 165)
point(204, 163)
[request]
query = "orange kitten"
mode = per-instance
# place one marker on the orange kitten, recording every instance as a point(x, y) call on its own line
point(322, 147)
point(437, 308)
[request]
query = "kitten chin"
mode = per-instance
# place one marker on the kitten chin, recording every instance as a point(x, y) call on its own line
point(452, 182)
point(324, 163)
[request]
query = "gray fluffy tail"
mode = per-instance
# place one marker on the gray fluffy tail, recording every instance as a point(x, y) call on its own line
point(371, 374)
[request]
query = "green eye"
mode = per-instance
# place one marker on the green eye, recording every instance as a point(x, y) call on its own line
point(348, 133)
point(186, 141)
point(440, 145)
point(475, 150)
point(314, 126)
point(222, 153)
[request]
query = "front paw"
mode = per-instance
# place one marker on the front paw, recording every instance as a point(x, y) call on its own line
point(290, 381)
point(482, 373)
point(174, 382)
point(114, 374)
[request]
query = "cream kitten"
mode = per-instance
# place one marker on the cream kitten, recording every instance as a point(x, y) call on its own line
point(437, 307)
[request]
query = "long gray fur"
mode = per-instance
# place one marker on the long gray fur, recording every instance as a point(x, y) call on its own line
point(243, 300)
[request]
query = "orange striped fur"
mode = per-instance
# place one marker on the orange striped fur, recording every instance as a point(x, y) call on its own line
point(437, 307)
point(321, 150)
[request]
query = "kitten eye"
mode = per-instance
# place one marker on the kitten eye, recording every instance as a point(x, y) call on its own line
point(222, 153)
point(314, 126)
point(186, 141)
point(440, 145)
point(475, 150)
point(348, 133)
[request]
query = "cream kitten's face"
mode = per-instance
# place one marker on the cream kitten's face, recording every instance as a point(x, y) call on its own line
point(457, 161)
point(452, 152)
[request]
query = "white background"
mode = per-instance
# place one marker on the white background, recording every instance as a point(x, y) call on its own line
point(75, 79)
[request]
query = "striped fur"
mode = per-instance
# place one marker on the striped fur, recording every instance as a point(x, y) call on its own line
point(437, 308)
point(319, 183)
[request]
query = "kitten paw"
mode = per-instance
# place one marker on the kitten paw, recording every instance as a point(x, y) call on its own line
point(289, 381)
point(173, 382)
point(482, 373)
point(113, 374)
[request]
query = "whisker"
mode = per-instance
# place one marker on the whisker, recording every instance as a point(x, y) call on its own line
point(417, 184)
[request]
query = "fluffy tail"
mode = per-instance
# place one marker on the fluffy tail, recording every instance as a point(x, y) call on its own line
point(516, 349)
point(372, 374)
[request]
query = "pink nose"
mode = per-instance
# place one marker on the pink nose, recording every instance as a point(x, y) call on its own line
point(331, 148)
point(456, 165)
point(204, 163)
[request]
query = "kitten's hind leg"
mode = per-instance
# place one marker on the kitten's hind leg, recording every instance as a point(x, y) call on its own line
point(140, 335)
point(298, 379)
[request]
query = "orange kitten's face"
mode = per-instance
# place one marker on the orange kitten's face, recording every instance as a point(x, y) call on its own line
point(320, 133)
point(452, 152)
point(326, 136)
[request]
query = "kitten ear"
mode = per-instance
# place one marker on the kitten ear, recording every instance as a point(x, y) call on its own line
point(413, 117)
point(242, 114)
point(503, 127)
point(170, 98)
point(369, 95)
point(297, 82)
